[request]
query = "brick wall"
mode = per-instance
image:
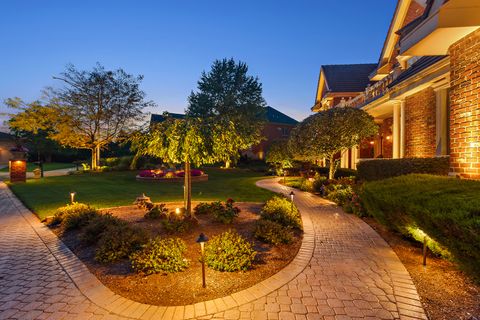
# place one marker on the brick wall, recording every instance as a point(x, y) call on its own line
point(18, 170)
point(420, 124)
point(465, 107)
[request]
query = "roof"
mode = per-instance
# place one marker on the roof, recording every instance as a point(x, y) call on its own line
point(272, 115)
point(6, 136)
point(348, 77)
point(275, 116)
point(416, 67)
point(155, 118)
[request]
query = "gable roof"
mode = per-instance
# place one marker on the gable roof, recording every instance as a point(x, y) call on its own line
point(272, 115)
point(275, 116)
point(347, 77)
point(6, 136)
point(416, 67)
point(156, 118)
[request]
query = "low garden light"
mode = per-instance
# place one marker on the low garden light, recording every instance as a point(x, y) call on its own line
point(72, 197)
point(292, 194)
point(178, 211)
point(202, 238)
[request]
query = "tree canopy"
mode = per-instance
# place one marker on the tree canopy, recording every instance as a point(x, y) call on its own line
point(232, 100)
point(327, 133)
point(91, 109)
point(279, 155)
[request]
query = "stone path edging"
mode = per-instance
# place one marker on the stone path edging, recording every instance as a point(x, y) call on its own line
point(102, 296)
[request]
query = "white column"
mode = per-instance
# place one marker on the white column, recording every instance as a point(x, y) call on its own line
point(396, 131)
point(441, 121)
point(343, 157)
point(354, 153)
point(402, 129)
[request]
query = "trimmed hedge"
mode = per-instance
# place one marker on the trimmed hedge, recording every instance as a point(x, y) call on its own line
point(447, 210)
point(379, 169)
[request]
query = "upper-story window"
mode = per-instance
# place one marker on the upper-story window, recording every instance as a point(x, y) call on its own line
point(285, 132)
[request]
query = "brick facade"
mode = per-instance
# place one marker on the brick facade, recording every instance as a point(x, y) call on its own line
point(465, 107)
point(420, 135)
point(18, 170)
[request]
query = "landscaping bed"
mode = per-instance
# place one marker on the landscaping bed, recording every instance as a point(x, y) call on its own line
point(185, 287)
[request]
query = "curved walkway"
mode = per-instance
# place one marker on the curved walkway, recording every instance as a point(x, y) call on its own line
point(343, 270)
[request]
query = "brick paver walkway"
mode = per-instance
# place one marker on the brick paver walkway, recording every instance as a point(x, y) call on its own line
point(344, 270)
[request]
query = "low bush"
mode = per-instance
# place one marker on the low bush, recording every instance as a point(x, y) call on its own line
point(445, 209)
point(93, 231)
point(272, 232)
point(282, 211)
point(174, 225)
point(157, 212)
point(118, 242)
point(230, 252)
point(339, 173)
point(160, 255)
point(74, 216)
point(224, 213)
point(340, 194)
point(387, 168)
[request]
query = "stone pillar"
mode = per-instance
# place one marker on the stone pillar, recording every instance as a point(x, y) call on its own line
point(18, 170)
point(465, 107)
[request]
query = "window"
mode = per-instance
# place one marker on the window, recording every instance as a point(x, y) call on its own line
point(285, 132)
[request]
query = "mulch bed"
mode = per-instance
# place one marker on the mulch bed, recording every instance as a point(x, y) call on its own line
point(446, 292)
point(186, 287)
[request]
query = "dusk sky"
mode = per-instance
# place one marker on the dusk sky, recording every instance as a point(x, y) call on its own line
point(171, 42)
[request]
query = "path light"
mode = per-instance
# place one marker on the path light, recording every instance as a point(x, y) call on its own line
point(291, 198)
point(72, 197)
point(178, 211)
point(202, 238)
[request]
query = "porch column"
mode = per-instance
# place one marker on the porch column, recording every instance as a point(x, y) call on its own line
point(396, 131)
point(441, 123)
point(402, 129)
point(354, 153)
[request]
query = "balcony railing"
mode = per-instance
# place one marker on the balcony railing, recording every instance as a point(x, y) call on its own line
point(372, 92)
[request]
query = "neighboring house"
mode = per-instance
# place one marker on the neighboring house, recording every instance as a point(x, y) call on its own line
point(7, 142)
point(278, 127)
point(425, 89)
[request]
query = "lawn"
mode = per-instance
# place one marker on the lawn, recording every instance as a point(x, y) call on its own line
point(111, 189)
point(46, 166)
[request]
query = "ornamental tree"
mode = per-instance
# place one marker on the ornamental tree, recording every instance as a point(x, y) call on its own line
point(232, 100)
point(188, 141)
point(279, 155)
point(91, 109)
point(328, 133)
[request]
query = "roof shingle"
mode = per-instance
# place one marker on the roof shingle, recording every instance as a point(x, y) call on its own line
point(348, 77)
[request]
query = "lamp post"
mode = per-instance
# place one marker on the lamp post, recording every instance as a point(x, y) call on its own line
point(72, 197)
point(291, 198)
point(202, 238)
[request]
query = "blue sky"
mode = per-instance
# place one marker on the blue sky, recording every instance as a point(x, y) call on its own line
point(172, 42)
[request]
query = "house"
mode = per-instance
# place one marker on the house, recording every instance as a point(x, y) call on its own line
point(424, 92)
point(7, 142)
point(277, 127)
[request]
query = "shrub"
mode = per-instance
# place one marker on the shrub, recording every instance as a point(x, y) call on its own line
point(118, 242)
point(93, 231)
point(173, 225)
point(281, 210)
point(224, 213)
point(229, 252)
point(340, 194)
point(445, 209)
point(386, 168)
point(339, 173)
point(160, 255)
point(74, 216)
point(157, 212)
point(272, 232)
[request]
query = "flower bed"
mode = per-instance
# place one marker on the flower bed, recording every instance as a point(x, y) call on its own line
point(159, 175)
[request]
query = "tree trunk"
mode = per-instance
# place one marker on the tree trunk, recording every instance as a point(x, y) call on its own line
point(188, 190)
point(98, 157)
point(227, 164)
point(93, 159)
point(331, 171)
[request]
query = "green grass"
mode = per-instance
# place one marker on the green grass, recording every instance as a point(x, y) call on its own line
point(110, 189)
point(46, 166)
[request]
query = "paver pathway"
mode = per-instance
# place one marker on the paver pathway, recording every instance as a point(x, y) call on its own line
point(352, 274)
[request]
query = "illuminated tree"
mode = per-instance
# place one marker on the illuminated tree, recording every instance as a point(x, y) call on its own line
point(232, 100)
point(328, 133)
point(91, 110)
